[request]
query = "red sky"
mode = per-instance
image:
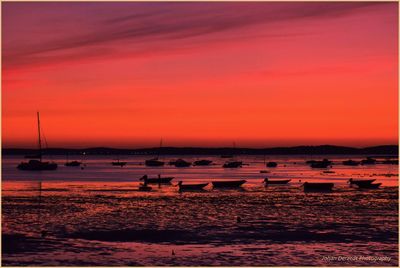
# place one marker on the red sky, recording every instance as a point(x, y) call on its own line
point(200, 74)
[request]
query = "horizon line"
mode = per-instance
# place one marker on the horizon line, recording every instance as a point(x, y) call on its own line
point(195, 147)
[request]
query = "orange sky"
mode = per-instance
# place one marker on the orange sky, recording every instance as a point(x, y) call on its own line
point(200, 74)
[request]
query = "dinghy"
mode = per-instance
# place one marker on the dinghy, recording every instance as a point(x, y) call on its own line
point(318, 186)
point(158, 180)
point(269, 181)
point(191, 187)
point(228, 184)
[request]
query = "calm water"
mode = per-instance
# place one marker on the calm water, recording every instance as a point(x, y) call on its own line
point(95, 216)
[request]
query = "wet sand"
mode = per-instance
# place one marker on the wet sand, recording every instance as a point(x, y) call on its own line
point(112, 224)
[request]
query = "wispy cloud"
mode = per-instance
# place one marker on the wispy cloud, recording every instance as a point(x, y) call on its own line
point(138, 24)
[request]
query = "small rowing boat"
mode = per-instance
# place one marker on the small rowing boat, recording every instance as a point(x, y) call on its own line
point(203, 162)
point(118, 163)
point(228, 184)
point(158, 180)
point(272, 164)
point(191, 187)
point(318, 186)
point(269, 181)
point(233, 164)
point(350, 163)
point(369, 185)
point(351, 181)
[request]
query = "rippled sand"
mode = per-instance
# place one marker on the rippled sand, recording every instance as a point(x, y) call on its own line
point(112, 224)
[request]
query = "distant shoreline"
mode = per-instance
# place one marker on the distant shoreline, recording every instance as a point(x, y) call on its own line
point(390, 150)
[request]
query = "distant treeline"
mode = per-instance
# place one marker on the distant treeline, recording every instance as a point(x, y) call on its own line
point(298, 150)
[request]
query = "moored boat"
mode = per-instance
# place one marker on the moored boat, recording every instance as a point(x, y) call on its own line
point(182, 163)
point(318, 186)
point(37, 165)
point(319, 164)
point(73, 163)
point(233, 164)
point(272, 164)
point(369, 185)
point(154, 162)
point(118, 163)
point(203, 162)
point(158, 180)
point(228, 184)
point(275, 181)
point(391, 162)
point(191, 187)
point(350, 163)
point(368, 161)
point(352, 181)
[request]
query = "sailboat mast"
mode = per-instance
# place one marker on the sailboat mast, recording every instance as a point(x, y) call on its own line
point(159, 149)
point(39, 140)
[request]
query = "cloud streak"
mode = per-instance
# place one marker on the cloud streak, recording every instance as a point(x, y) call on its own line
point(103, 25)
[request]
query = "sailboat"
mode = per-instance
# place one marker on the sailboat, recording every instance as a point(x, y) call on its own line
point(233, 163)
point(35, 164)
point(154, 162)
point(73, 163)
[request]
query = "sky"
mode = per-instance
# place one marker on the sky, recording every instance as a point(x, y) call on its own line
point(200, 74)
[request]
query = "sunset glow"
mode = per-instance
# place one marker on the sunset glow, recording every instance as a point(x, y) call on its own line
point(200, 74)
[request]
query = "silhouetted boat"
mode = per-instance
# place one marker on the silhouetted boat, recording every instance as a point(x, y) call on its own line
point(369, 185)
point(272, 164)
point(73, 164)
point(203, 162)
point(269, 181)
point(350, 163)
point(154, 162)
point(368, 161)
point(226, 156)
point(37, 165)
point(158, 180)
point(320, 164)
point(228, 184)
point(182, 163)
point(118, 163)
point(318, 186)
point(264, 171)
point(33, 156)
point(191, 187)
point(233, 164)
point(391, 162)
point(352, 181)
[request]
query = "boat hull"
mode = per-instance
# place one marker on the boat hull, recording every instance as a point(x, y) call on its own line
point(235, 164)
point(357, 182)
point(192, 187)
point(318, 187)
point(121, 164)
point(267, 182)
point(228, 184)
point(369, 185)
point(73, 164)
point(153, 163)
point(37, 166)
point(165, 180)
point(202, 163)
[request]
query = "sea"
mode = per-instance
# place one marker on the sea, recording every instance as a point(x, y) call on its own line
point(94, 215)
